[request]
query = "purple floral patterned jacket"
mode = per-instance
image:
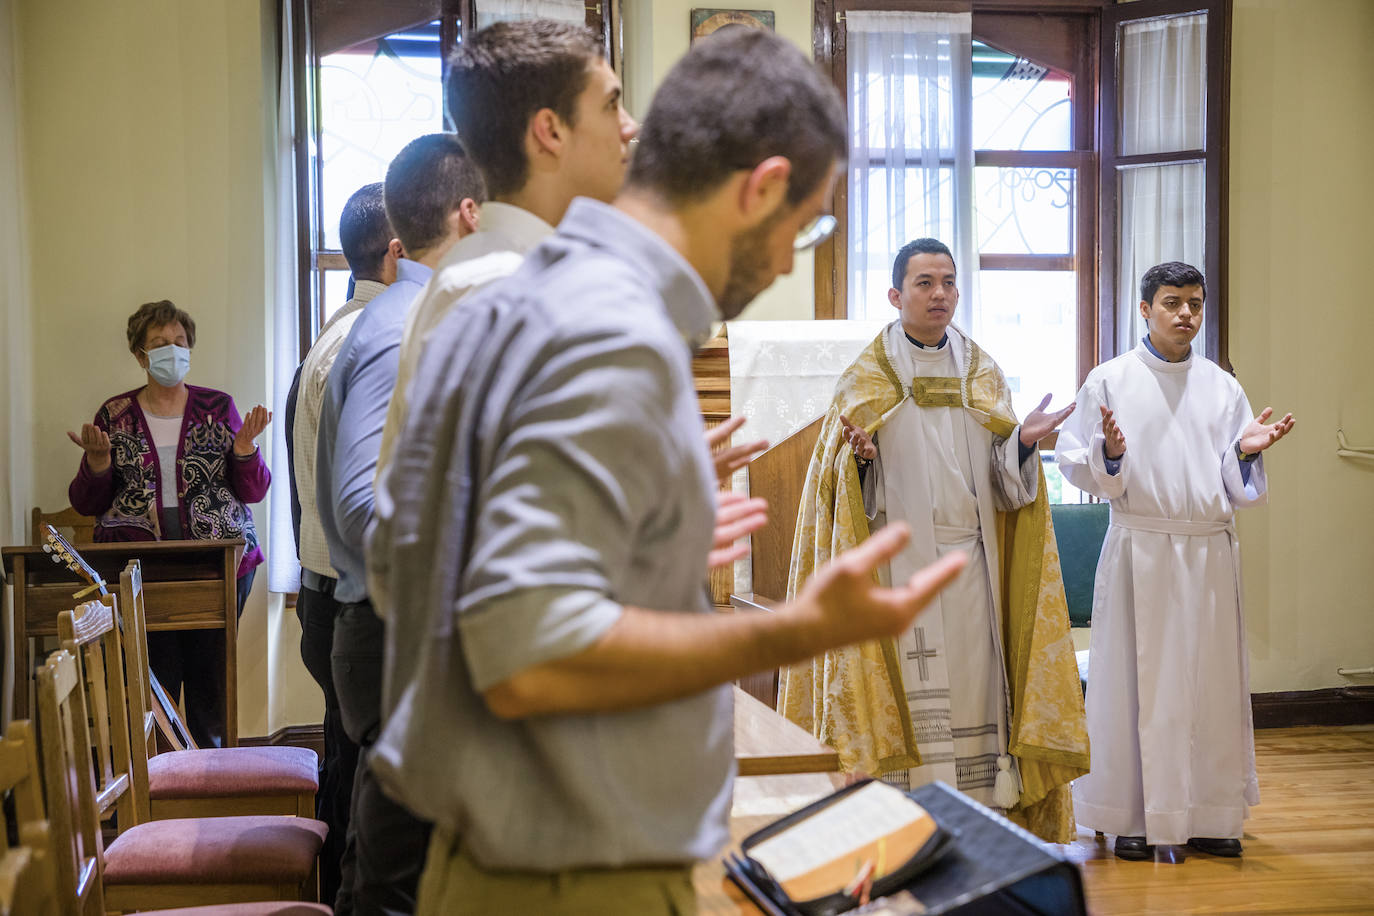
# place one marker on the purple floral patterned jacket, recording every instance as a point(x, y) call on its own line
point(216, 485)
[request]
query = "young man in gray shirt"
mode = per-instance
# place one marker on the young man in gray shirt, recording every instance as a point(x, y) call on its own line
point(557, 678)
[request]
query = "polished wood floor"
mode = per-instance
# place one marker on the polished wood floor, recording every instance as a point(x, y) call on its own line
point(1309, 846)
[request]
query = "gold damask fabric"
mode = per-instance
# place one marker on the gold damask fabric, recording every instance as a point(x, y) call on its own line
point(853, 698)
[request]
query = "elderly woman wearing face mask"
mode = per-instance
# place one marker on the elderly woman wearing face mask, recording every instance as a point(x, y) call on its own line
point(172, 461)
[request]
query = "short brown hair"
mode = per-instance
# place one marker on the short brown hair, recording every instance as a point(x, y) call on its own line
point(505, 73)
point(155, 315)
point(737, 98)
point(365, 232)
point(426, 182)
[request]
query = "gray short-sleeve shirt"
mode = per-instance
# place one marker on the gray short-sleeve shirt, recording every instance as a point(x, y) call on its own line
point(552, 470)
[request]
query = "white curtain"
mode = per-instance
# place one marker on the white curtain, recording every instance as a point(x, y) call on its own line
point(911, 149)
point(489, 11)
point(283, 570)
point(17, 492)
point(1163, 109)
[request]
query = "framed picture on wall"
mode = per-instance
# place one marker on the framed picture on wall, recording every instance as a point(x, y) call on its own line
point(706, 21)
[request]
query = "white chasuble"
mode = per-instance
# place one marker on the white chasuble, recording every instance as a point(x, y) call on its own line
point(946, 476)
point(1168, 702)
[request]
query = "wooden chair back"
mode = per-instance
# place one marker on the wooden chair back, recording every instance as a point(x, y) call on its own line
point(90, 633)
point(81, 527)
point(154, 704)
point(142, 721)
point(28, 884)
point(70, 787)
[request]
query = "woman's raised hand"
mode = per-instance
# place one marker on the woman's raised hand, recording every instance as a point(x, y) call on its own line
point(252, 427)
point(96, 442)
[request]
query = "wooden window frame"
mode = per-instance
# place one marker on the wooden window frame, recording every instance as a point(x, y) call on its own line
point(1094, 154)
point(602, 16)
point(1215, 156)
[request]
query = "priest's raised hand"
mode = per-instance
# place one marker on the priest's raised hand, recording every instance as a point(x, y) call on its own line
point(1259, 435)
point(1038, 424)
point(859, 440)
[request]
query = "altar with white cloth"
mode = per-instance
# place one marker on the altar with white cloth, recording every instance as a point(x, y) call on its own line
point(782, 377)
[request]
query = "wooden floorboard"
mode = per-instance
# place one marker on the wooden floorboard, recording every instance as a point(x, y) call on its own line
point(1309, 845)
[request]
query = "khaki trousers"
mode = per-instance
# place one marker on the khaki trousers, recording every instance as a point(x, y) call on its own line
point(454, 885)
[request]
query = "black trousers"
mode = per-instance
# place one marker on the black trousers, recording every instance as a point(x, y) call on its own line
point(193, 661)
point(386, 844)
point(316, 611)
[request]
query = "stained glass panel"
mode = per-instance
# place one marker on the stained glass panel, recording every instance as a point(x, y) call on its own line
point(375, 97)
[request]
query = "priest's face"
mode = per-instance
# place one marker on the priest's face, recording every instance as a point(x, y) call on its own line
point(927, 298)
point(1174, 318)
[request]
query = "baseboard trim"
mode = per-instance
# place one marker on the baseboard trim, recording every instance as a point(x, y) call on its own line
point(1329, 706)
point(311, 736)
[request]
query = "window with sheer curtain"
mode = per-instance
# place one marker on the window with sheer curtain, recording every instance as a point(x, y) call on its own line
point(1094, 130)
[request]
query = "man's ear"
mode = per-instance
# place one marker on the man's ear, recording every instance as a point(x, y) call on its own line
point(466, 218)
point(894, 296)
point(765, 189)
point(546, 134)
point(1144, 310)
point(395, 250)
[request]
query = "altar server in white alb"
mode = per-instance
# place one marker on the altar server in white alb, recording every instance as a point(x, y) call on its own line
point(1168, 689)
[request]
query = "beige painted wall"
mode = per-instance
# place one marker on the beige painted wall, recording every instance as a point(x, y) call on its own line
point(656, 35)
point(144, 141)
point(1301, 197)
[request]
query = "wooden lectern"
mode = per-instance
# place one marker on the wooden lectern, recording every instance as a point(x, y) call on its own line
point(190, 585)
point(779, 475)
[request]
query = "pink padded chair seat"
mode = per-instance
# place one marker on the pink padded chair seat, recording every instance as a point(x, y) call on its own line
point(251, 909)
point(216, 850)
point(233, 771)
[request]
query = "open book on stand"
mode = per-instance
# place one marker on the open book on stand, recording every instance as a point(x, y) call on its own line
point(933, 850)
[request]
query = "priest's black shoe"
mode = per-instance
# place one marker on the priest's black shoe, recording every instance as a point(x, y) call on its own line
point(1227, 848)
point(1134, 848)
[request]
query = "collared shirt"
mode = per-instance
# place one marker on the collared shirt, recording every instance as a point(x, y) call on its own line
point(504, 236)
point(553, 470)
point(314, 553)
point(350, 432)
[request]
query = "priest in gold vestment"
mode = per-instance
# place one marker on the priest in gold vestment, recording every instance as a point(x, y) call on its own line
point(982, 692)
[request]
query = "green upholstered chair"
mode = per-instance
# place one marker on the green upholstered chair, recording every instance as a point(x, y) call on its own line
point(1080, 530)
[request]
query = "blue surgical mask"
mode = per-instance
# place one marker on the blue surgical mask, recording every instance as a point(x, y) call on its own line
point(168, 365)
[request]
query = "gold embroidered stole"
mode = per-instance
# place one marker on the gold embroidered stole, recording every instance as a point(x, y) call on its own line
point(853, 698)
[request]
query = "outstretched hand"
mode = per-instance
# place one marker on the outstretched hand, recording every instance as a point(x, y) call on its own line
point(96, 443)
point(736, 516)
point(858, 440)
point(252, 427)
point(846, 603)
point(730, 458)
point(1039, 424)
point(1115, 439)
point(1258, 436)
